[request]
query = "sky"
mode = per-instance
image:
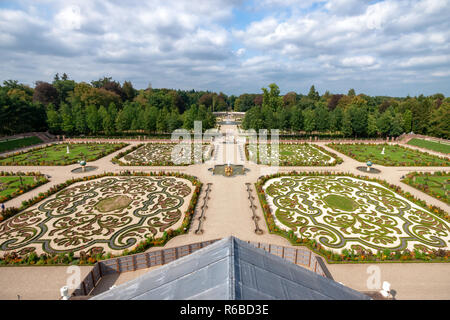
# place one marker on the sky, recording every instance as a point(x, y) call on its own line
point(390, 47)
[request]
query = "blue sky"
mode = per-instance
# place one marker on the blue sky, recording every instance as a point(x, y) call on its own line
point(390, 47)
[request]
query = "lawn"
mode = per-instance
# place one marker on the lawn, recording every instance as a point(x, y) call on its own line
point(18, 143)
point(431, 145)
point(436, 184)
point(13, 185)
point(394, 155)
point(295, 155)
point(57, 154)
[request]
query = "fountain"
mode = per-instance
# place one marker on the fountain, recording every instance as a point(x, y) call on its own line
point(83, 168)
point(229, 170)
point(368, 168)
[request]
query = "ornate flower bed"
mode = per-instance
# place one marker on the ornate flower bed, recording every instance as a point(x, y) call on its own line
point(56, 155)
point(352, 218)
point(14, 184)
point(88, 217)
point(297, 155)
point(158, 154)
point(394, 155)
point(436, 184)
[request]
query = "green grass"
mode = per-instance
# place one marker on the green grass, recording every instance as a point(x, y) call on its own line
point(394, 155)
point(430, 145)
point(437, 185)
point(18, 143)
point(340, 202)
point(57, 154)
point(11, 184)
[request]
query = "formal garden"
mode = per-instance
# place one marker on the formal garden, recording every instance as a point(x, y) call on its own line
point(345, 217)
point(389, 155)
point(293, 155)
point(15, 184)
point(431, 145)
point(162, 154)
point(436, 184)
point(61, 154)
point(100, 216)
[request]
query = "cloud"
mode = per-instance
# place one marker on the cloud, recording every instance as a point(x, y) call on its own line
point(205, 44)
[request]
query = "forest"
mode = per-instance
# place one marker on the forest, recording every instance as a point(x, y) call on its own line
point(106, 107)
point(348, 115)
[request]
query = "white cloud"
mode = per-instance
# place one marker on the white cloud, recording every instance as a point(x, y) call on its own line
point(193, 43)
point(361, 61)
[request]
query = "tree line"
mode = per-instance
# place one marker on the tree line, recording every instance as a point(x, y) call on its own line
point(350, 115)
point(103, 107)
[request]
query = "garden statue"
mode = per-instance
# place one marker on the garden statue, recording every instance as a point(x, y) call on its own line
point(369, 164)
point(83, 165)
point(382, 151)
point(68, 151)
point(228, 170)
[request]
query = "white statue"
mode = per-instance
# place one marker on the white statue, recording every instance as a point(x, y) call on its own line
point(68, 151)
point(382, 151)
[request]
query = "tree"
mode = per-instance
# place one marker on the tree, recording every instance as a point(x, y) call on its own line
point(440, 121)
point(296, 118)
point(313, 94)
point(309, 123)
point(351, 93)
point(79, 114)
point(64, 86)
point(321, 117)
point(150, 117)
point(67, 123)
point(93, 119)
point(128, 90)
point(372, 129)
point(384, 123)
point(407, 121)
point(346, 128)
point(397, 125)
point(45, 93)
point(53, 119)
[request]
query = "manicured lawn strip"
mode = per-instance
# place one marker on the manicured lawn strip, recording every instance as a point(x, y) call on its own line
point(18, 143)
point(56, 155)
point(435, 184)
point(10, 186)
point(430, 145)
point(394, 155)
point(90, 258)
point(289, 158)
point(350, 255)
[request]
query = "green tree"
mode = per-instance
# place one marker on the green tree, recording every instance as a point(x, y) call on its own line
point(313, 94)
point(67, 119)
point(53, 119)
point(372, 129)
point(346, 128)
point(309, 123)
point(93, 119)
point(296, 118)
